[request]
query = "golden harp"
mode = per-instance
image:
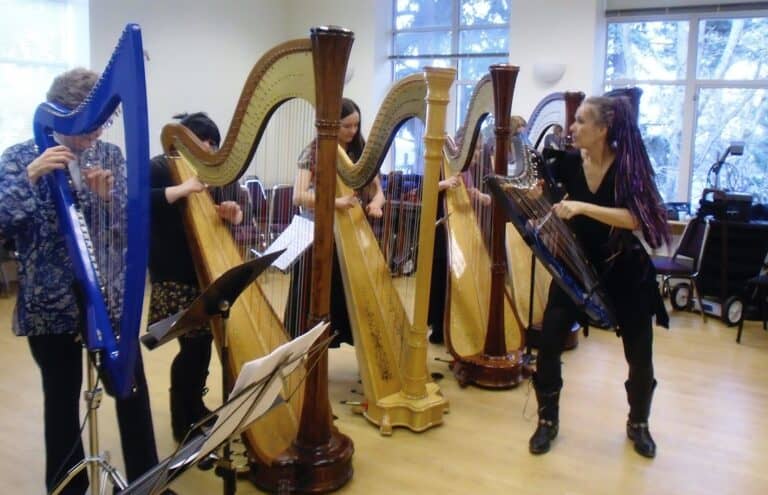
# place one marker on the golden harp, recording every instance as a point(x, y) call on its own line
point(295, 447)
point(390, 343)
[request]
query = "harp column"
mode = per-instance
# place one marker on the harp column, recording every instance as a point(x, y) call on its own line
point(419, 400)
point(320, 459)
point(496, 367)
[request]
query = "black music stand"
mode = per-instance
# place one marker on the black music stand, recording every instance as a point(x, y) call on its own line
point(216, 300)
point(256, 392)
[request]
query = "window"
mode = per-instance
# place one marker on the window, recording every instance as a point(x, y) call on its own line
point(469, 35)
point(38, 40)
point(705, 85)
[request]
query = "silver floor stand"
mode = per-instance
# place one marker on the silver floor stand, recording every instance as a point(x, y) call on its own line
point(100, 471)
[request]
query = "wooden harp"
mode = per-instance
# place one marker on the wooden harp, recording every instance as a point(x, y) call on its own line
point(390, 340)
point(483, 331)
point(107, 239)
point(295, 446)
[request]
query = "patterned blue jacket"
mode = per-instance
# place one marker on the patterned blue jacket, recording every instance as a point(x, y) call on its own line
point(46, 300)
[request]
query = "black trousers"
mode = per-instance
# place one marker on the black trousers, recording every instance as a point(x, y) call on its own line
point(297, 307)
point(634, 317)
point(59, 358)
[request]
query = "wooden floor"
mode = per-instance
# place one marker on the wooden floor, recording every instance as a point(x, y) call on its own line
point(710, 421)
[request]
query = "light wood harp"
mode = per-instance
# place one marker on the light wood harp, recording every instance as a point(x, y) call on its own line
point(390, 343)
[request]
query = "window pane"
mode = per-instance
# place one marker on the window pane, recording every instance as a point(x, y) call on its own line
point(408, 147)
point(29, 84)
point(472, 69)
point(405, 68)
point(733, 49)
point(33, 30)
point(464, 94)
point(423, 13)
point(661, 124)
point(484, 41)
point(427, 43)
point(484, 12)
point(647, 50)
point(726, 115)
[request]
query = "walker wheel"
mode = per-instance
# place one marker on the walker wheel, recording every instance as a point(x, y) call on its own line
point(733, 311)
point(680, 297)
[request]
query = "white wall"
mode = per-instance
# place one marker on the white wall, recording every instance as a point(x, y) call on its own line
point(200, 52)
point(370, 20)
point(561, 33)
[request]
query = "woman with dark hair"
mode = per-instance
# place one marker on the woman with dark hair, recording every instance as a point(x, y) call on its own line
point(611, 192)
point(372, 196)
point(351, 139)
point(172, 272)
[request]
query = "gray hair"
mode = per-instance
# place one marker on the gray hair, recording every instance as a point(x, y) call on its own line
point(70, 88)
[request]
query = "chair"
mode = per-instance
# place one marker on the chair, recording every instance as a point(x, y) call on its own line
point(259, 212)
point(685, 263)
point(759, 287)
point(281, 208)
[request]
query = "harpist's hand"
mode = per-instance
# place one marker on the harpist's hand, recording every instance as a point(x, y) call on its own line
point(346, 202)
point(374, 211)
point(568, 209)
point(99, 181)
point(53, 158)
point(536, 191)
point(230, 211)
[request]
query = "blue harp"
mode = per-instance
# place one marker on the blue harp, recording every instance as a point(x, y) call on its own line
point(548, 236)
point(106, 236)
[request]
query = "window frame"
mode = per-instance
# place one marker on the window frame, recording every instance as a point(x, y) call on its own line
point(691, 84)
point(75, 19)
point(455, 56)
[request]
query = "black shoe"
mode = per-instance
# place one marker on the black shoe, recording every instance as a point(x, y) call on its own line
point(541, 441)
point(641, 438)
point(436, 337)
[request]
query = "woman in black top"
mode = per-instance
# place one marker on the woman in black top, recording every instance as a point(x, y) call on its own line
point(172, 273)
point(611, 192)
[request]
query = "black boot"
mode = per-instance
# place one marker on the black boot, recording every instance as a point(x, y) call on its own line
point(188, 375)
point(639, 396)
point(549, 421)
point(179, 415)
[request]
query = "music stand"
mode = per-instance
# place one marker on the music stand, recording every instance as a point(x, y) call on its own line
point(256, 392)
point(95, 462)
point(216, 300)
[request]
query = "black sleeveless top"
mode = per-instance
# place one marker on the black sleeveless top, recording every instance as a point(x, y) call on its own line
point(620, 259)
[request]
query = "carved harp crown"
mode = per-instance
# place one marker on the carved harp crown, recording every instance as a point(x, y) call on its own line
point(112, 317)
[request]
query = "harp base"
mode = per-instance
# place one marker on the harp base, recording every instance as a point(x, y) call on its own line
point(310, 469)
point(416, 414)
point(483, 370)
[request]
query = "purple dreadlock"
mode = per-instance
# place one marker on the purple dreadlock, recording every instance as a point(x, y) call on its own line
point(635, 187)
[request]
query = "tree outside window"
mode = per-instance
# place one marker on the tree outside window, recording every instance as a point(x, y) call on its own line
point(704, 82)
point(468, 35)
point(39, 39)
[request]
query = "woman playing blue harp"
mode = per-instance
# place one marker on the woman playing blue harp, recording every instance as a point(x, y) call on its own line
point(77, 214)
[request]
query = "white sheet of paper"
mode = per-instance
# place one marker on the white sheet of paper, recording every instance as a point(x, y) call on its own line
point(295, 239)
point(240, 411)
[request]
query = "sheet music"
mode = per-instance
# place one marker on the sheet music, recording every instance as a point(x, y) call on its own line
point(295, 239)
point(257, 379)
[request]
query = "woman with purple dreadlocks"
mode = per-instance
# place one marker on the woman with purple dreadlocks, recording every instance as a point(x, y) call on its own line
point(610, 193)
